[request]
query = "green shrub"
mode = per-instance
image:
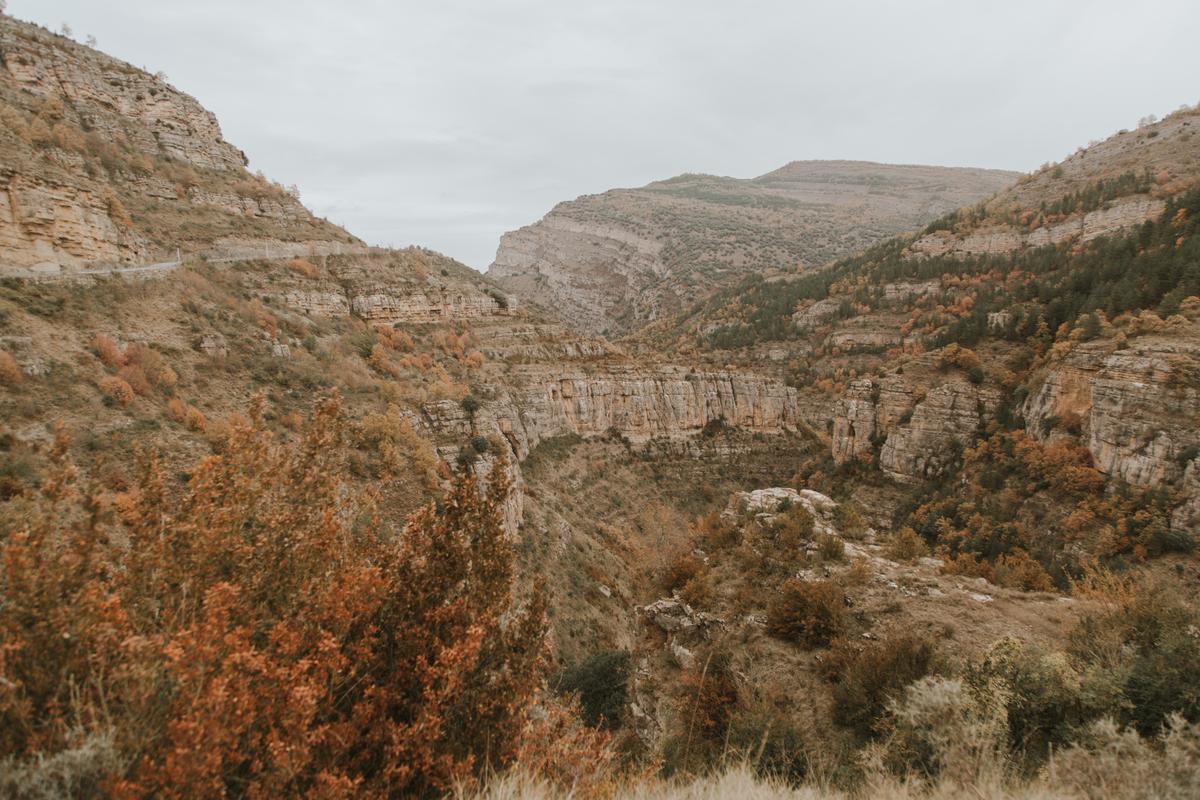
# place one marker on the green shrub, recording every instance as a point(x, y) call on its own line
point(601, 682)
point(830, 547)
point(792, 529)
point(1045, 701)
point(849, 520)
point(906, 545)
point(1144, 649)
point(869, 678)
point(364, 341)
point(809, 613)
point(769, 743)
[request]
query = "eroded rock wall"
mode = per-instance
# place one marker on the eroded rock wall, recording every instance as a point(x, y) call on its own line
point(44, 225)
point(1121, 216)
point(1139, 407)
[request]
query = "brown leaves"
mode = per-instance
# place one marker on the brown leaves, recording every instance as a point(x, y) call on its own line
point(251, 640)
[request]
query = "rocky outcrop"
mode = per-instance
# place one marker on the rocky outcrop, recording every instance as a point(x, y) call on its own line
point(867, 410)
point(103, 165)
point(281, 206)
point(1122, 215)
point(1138, 408)
point(643, 404)
point(581, 270)
point(864, 337)
point(251, 249)
point(764, 506)
point(1187, 516)
point(817, 314)
point(327, 300)
point(44, 226)
point(105, 94)
point(384, 304)
point(948, 419)
point(358, 290)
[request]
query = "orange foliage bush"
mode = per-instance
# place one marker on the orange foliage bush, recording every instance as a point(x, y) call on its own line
point(10, 370)
point(108, 351)
point(177, 409)
point(962, 357)
point(189, 416)
point(194, 419)
point(395, 338)
point(135, 376)
point(381, 360)
point(117, 389)
point(1017, 570)
point(712, 697)
point(155, 368)
point(260, 634)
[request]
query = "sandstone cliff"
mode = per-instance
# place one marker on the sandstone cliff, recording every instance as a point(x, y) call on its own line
point(1138, 407)
point(1121, 216)
point(639, 402)
point(105, 164)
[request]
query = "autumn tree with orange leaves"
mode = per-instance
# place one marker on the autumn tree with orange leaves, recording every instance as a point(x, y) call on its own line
point(258, 632)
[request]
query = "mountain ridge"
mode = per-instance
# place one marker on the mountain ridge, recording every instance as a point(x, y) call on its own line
point(614, 261)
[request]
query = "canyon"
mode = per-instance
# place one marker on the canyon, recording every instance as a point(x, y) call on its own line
point(923, 405)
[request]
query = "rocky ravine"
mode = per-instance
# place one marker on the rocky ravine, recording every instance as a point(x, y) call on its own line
point(613, 262)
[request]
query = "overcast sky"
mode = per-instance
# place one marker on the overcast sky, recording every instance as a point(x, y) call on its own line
point(445, 123)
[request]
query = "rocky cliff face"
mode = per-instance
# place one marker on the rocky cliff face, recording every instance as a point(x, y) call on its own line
point(105, 164)
point(409, 286)
point(587, 271)
point(916, 429)
point(1121, 216)
point(1138, 407)
point(50, 224)
point(638, 402)
point(610, 263)
point(114, 99)
point(642, 403)
point(947, 419)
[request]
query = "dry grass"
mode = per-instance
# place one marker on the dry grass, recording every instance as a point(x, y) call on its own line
point(1113, 765)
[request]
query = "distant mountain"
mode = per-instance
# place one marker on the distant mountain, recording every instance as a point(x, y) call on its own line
point(610, 263)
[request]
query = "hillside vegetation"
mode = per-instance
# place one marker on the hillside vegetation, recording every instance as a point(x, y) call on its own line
point(295, 522)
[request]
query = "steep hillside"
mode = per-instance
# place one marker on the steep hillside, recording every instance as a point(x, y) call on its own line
point(104, 164)
point(612, 262)
point(1052, 328)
